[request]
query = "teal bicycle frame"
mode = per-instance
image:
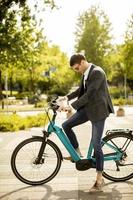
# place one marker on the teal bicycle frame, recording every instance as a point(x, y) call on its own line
point(65, 141)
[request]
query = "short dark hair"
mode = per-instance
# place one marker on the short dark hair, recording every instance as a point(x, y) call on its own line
point(76, 59)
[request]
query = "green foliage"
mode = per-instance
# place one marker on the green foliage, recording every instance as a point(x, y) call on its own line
point(128, 49)
point(22, 95)
point(61, 79)
point(35, 121)
point(40, 104)
point(7, 4)
point(11, 123)
point(92, 35)
point(121, 102)
point(16, 43)
point(14, 122)
point(118, 92)
point(94, 39)
point(114, 62)
point(19, 44)
point(120, 59)
point(25, 54)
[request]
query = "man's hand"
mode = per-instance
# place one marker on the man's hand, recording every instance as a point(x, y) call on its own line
point(64, 108)
point(63, 103)
point(60, 99)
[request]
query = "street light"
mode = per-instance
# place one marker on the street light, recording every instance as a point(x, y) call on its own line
point(125, 80)
point(47, 73)
point(125, 86)
point(6, 89)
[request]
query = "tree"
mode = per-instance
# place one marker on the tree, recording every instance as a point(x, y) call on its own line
point(7, 31)
point(16, 43)
point(120, 60)
point(93, 35)
point(128, 51)
point(53, 75)
point(7, 4)
point(116, 66)
point(26, 55)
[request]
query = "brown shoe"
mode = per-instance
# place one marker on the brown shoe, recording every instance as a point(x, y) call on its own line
point(69, 158)
point(97, 187)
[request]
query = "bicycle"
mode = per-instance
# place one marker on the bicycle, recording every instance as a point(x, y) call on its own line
point(37, 160)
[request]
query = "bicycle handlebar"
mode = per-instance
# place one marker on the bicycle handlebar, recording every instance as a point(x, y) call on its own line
point(53, 104)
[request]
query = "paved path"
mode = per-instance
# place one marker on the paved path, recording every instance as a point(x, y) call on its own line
point(69, 184)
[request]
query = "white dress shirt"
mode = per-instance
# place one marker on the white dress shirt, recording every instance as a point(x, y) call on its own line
point(86, 73)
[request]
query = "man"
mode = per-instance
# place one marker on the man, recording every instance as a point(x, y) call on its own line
point(93, 103)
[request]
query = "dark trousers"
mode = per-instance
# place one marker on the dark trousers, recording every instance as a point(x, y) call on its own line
point(78, 118)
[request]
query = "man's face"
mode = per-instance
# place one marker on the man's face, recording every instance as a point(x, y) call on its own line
point(80, 68)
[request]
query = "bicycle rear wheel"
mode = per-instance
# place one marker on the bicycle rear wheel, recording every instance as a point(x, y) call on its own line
point(24, 166)
point(121, 170)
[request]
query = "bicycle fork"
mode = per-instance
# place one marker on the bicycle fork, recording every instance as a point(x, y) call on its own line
point(40, 157)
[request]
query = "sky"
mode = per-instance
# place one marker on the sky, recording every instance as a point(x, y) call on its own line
point(59, 25)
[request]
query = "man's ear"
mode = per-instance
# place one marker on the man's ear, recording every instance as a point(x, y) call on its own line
point(82, 62)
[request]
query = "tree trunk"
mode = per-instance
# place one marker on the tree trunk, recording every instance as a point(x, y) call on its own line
point(1, 96)
point(11, 85)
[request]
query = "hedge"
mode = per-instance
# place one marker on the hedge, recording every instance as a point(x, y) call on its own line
point(14, 122)
point(121, 102)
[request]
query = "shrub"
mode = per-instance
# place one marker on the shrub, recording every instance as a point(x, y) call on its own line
point(10, 122)
point(118, 92)
point(129, 101)
point(22, 95)
point(41, 104)
point(120, 101)
point(34, 121)
point(14, 122)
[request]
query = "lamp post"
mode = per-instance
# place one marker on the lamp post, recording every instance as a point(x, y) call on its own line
point(48, 72)
point(6, 89)
point(121, 111)
point(125, 86)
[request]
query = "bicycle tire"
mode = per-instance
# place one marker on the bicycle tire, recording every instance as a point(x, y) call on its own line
point(20, 166)
point(119, 136)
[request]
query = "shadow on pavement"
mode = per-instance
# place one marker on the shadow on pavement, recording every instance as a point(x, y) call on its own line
point(25, 193)
point(111, 192)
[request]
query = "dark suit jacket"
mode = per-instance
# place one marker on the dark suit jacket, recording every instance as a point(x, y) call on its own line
point(95, 99)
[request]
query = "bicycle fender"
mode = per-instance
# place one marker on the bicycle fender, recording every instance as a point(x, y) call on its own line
point(113, 131)
point(111, 134)
point(35, 136)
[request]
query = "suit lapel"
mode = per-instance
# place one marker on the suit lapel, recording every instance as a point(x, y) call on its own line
point(91, 69)
point(82, 90)
point(81, 87)
point(89, 75)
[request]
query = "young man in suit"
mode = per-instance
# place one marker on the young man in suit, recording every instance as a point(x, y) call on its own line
point(93, 103)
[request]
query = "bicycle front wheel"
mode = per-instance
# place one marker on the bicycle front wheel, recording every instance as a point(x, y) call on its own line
point(25, 167)
point(122, 169)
